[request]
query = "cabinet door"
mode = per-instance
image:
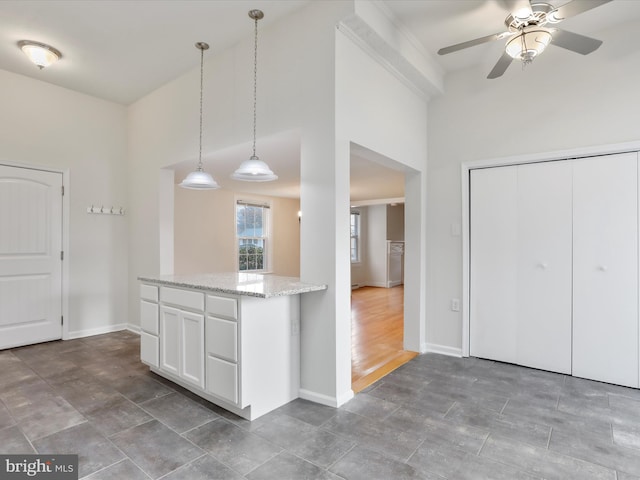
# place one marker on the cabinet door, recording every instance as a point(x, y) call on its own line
point(149, 349)
point(149, 317)
point(222, 338)
point(222, 379)
point(544, 266)
point(170, 340)
point(605, 280)
point(493, 263)
point(192, 348)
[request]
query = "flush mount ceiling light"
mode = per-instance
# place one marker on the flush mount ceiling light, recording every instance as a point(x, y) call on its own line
point(254, 169)
point(199, 179)
point(41, 54)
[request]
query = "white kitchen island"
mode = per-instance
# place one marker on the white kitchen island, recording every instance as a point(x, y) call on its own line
point(231, 338)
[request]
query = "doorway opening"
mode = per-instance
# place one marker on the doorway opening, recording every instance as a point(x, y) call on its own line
point(377, 267)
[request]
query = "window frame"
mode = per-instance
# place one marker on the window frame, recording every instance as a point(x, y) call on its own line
point(266, 238)
point(358, 237)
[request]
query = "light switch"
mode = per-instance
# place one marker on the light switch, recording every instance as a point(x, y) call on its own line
point(455, 304)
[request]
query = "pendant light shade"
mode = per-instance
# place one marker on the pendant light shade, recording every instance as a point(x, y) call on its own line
point(254, 169)
point(199, 179)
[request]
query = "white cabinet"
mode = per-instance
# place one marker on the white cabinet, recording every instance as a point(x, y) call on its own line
point(395, 263)
point(554, 266)
point(149, 329)
point(182, 335)
point(605, 307)
point(238, 351)
point(223, 372)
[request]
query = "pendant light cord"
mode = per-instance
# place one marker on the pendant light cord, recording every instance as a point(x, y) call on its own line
point(201, 83)
point(255, 82)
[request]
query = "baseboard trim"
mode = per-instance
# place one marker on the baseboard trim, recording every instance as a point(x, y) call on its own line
point(443, 350)
point(133, 328)
point(97, 331)
point(323, 399)
point(376, 284)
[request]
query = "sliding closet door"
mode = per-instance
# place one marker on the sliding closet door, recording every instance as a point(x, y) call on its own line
point(493, 260)
point(605, 300)
point(544, 266)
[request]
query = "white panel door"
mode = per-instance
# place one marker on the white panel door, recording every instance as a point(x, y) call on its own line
point(192, 347)
point(493, 265)
point(544, 266)
point(30, 256)
point(170, 339)
point(605, 298)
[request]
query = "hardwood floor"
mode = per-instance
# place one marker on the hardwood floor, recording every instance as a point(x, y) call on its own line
point(377, 330)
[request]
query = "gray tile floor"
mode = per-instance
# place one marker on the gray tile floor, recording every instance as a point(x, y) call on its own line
point(434, 418)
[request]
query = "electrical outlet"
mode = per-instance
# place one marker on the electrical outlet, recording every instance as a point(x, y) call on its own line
point(455, 304)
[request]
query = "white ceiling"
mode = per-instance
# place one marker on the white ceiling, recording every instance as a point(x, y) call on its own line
point(122, 50)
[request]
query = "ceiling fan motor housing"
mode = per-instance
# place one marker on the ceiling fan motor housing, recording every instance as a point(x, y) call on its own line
point(538, 17)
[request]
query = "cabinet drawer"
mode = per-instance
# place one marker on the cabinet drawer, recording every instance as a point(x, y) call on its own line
point(149, 292)
point(182, 298)
point(223, 306)
point(149, 349)
point(222, 379)
point(149, 317)
point(222, 338)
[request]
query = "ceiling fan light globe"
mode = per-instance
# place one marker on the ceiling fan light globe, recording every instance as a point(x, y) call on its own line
point(528, 45)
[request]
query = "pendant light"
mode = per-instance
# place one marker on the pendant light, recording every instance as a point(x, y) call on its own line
point(199, 179)
point(254, 169)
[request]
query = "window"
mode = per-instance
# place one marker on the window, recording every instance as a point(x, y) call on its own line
point(355, 237)
point(252, 231)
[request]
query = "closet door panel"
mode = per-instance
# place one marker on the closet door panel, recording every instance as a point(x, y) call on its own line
point(493, 260)
point(605, 300)
point(544, 266)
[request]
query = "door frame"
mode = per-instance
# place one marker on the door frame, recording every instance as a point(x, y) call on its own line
point(466, 168)
point(65, 233)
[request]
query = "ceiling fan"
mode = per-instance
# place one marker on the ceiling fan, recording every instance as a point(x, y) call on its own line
point(531, 27)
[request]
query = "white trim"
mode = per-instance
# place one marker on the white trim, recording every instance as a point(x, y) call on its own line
point(466, 167)
point(443, 350)
point(376, 284)
point(97, 331)
point(322, 399)
point(133, 328)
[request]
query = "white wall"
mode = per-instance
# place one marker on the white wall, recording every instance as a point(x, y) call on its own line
point(378, 111)
point(562, 101)
point(49, 126)
point(204, 226)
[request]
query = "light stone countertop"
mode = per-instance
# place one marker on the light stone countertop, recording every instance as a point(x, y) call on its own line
point(252, 284)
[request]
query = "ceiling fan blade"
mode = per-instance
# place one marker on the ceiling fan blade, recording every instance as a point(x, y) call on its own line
point(574, 41)
point(501, 66)
point(574, 8)
point(471, 43)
